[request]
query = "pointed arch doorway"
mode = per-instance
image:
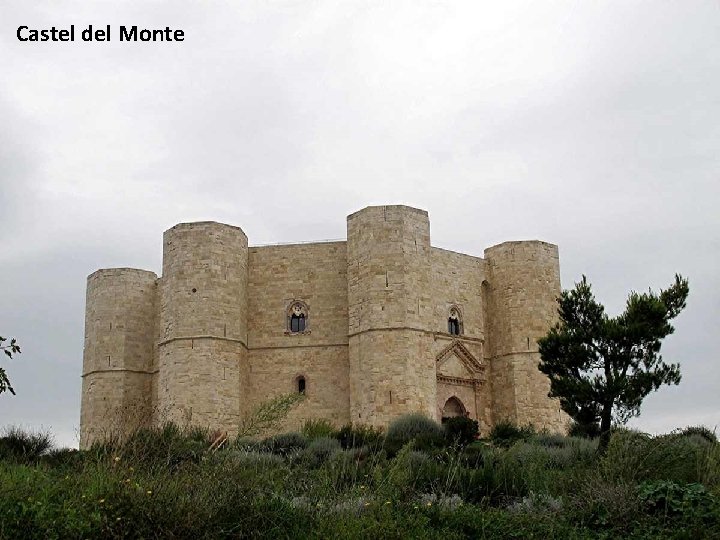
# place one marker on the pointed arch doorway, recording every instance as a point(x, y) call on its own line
point(453, 407)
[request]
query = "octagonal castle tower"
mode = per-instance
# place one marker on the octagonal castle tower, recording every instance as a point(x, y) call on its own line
point(392, 325)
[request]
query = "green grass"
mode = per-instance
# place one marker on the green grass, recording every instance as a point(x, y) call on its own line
point(166, 483)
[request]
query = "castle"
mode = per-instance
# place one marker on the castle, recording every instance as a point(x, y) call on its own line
point(370, 328)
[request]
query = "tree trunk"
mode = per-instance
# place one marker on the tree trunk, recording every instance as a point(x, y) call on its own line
point(605, 425)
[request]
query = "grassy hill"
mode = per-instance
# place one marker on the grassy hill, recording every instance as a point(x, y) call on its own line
point(416, 481)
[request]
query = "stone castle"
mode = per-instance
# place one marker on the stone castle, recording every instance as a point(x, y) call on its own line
point(370, 328)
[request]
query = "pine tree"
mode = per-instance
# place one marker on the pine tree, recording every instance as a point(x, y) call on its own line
point(602, 367)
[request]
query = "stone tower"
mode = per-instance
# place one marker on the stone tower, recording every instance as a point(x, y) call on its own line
point(521, 291)
point(392, 368)
point(202, 342)
point(117, 360)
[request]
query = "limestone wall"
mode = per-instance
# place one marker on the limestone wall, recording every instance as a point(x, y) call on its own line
point(203, 325)
point(392, 369)
point(523, 287)
point(457, 281)
point(120, 316)
point(315, 274)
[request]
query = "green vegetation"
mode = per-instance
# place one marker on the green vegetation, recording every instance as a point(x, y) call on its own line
point(415, 482)
point(603, 367)
point(9, 349)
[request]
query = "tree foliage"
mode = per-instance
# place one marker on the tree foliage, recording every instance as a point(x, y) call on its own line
point(9, 349)
point(269, 414)
point(602, 367)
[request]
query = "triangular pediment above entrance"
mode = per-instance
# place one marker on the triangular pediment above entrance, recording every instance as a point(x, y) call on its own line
point(452, 366)
point(456, 360)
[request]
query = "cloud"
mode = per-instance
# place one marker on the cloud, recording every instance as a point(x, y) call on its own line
point(591, 126)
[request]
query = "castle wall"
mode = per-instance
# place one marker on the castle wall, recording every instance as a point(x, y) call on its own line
point(523, 287)
point(392, 368)
point(202, 350)
point(457, 282)
point(120, 315)
point(315, 274)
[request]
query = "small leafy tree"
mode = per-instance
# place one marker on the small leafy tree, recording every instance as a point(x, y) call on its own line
point(602, 367)
point(9, 349)
point(269, 414)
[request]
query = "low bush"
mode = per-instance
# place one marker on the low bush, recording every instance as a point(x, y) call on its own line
point(420, 429)
point(166, 447)
point(284, 444)
point(24, 446)
point(359, 435)
point(588, 431)
point(700, 431)
point(247, 444)
point(62, 457)
point(505, 433)
point(314, 429)
point(638, 457)
point(461, 430)
point(604, 505)
point(689, 501)
point(319, 450)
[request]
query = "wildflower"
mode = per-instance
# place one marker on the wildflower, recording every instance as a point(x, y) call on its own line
point(118, 518)
point(367, 504)
point(388, 502)
point(101, 501)
point(149, 491)
point(429, 503)
point(117, 458)
point(362, 487)
point(82, 497)
point(128, 481)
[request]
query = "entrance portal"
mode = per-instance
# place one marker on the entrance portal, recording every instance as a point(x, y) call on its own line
point(453, 407)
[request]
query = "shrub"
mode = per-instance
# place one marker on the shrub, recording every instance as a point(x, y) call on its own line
point(604, 504)
point(413, 427)
point(314, 429)
point(670, 499)
point(700, 431)
point(168, 446)
point(565, 451)
point(638, 457)
point(319, 450)
point(62, 457)
point(588, 431)
point(22, 446)
point(537, 503)
point(246, 444)
point(461, 430)
point(248, 458)
point(550, 440)
point(505, 433)
point(476, 454)
point(284, 444)
point(359, 435)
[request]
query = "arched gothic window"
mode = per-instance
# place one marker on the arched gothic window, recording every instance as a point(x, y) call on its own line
point(297, 318)
point(454, 322)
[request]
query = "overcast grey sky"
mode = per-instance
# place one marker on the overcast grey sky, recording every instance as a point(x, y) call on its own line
point(592, 125)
